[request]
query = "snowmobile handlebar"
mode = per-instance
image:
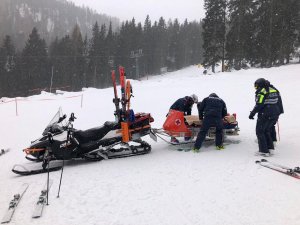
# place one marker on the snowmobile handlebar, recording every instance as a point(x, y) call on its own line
point(62, 118)
point(72, 117)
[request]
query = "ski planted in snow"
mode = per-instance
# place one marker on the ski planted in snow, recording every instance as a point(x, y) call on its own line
point(4, 150)
point(42, 200)
point(14, 203)
point(278, 168)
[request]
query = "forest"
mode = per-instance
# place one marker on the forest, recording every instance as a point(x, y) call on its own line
point(237, 34)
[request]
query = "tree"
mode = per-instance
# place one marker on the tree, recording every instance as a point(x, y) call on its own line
point(7, 67)
point(77, 59)
point(239, 39)
point(214, 32)
point(34, 63)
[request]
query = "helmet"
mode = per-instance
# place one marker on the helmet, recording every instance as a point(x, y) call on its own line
point(260, 83)
point(213, 95)
point(195, 98)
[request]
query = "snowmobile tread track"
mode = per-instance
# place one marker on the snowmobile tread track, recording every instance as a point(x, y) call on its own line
point(146, 148)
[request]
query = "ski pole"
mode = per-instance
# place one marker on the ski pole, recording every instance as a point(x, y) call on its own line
point(278, 130)
point(48, 183)
point(62, 170)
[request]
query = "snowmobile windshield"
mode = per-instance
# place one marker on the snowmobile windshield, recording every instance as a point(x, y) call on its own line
point(53, 126)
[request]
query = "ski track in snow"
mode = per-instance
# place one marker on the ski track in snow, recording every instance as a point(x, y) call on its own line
point(165, 187)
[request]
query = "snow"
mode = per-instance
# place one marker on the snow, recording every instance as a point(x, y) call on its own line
point(165, 187)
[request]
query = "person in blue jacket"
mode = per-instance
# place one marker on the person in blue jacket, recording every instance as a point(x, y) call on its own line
point(211, 110)
point(268, 107)
point(185, 104)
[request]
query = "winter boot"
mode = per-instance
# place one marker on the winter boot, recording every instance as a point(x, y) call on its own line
point(220, 147)
point(264, 154)
point(196, 150)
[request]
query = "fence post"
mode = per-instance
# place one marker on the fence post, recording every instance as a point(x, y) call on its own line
point(16, 106)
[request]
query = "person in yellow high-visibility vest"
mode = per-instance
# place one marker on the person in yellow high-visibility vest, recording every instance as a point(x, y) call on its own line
point(267, 99)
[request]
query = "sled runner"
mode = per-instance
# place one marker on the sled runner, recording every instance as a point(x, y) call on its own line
point(185, 128)
point(114, 139)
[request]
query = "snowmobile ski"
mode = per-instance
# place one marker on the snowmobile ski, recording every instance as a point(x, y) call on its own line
point(22, 170)
point(14, 203)
point(4, 150)
point(42, 200)
point(296, 169)
point(289, 172)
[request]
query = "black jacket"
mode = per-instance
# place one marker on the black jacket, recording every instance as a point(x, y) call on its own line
point(184, 105)
point(268, 102)
point(212, 106)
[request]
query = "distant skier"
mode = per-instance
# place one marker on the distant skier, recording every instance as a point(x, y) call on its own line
point(269, 107)
point(211, 110)
point(184, 105)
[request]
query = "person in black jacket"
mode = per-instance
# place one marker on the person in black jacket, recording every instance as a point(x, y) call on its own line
point(273, 128)
point(211, 110)
point(269, 107)
point(185, 104)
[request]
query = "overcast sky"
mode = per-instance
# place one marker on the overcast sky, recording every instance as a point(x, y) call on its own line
point(127, 9)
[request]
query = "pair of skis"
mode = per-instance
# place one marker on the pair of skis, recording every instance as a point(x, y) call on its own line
point(126, 94)
point(293, 172)
point(38, 209)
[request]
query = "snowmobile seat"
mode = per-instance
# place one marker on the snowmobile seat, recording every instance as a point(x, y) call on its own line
point(96, 133)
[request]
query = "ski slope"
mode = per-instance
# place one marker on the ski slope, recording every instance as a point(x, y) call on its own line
point(165, 187)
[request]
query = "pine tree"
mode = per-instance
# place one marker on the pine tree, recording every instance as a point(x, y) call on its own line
point(35, 72)
point(7, 67)
point(161, 45)
point(7, 55)
point(94, 62)
point(240, 34)
point(174, 45)
point(78, 59)
point(148, 46)
point(214, 33)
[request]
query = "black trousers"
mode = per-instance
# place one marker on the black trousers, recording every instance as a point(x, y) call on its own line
point(207, 123)
point(263, 133)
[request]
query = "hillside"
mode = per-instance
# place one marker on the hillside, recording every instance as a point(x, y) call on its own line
point(165, 187)
point(51, 17)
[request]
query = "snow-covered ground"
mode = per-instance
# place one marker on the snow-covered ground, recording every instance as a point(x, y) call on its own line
point(165, 187)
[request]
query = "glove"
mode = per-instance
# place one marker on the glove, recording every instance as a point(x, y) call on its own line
point(251, 116)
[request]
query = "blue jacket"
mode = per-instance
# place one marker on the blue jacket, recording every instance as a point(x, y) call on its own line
point(212, 106)
point(184, 105)
point(268, 102)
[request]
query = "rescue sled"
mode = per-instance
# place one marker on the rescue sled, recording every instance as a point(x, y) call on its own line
point(186, 128)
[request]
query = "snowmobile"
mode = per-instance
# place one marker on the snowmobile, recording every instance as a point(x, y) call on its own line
point(184, 129)
point(114, 139)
